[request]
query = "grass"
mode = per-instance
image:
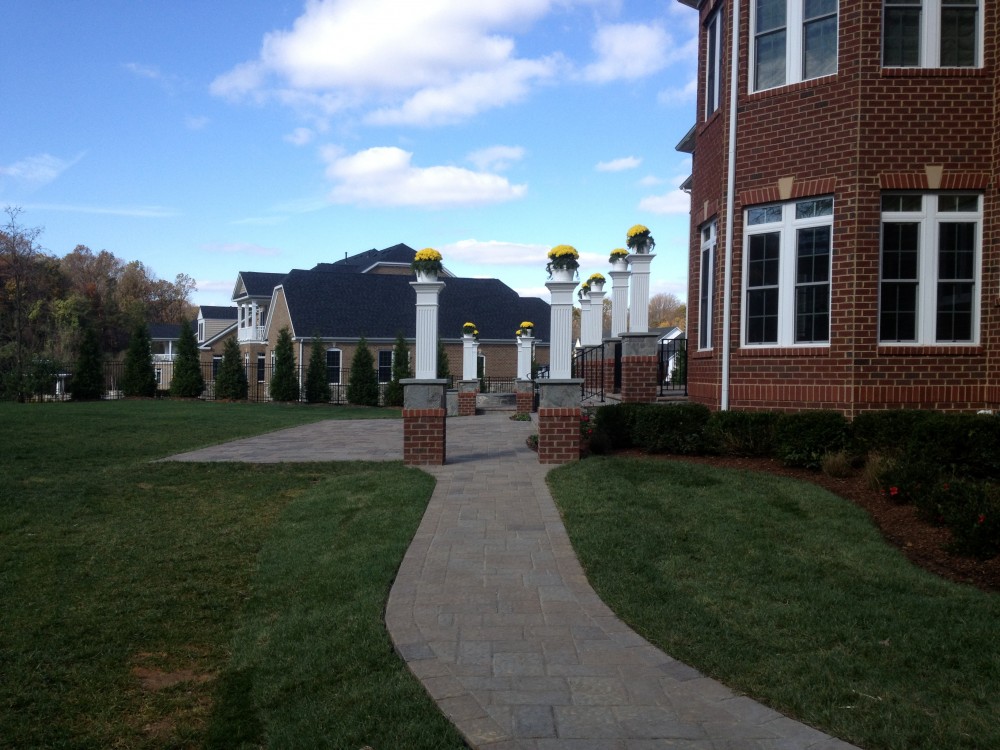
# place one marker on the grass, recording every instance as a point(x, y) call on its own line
point(198, 605)
point(787, 593)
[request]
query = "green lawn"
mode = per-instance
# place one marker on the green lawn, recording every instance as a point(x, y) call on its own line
point(787, 593)
point(199, 605)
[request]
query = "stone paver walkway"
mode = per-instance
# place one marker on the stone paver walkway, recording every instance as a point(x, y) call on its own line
point(492, 612)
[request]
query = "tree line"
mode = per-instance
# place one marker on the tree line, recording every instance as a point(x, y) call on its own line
point(49, 305)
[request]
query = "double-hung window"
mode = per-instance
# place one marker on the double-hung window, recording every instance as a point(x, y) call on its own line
point(384, 365)
point(929, 268)
point(333, 366)
point(793, 40)
point(932, 33)
point(788, 252)
point(709, 239)
point(713, 62)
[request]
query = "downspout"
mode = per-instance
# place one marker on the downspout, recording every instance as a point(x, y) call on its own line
point(727, 305)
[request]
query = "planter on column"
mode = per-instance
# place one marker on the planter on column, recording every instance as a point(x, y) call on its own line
point(470, 356)
point(639, 295)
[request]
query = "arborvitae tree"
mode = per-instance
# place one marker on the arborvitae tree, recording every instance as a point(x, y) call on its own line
point(443, 368)
point(284, 382)
point(187, 382)
point(317, 385)
point(88, 378)
point(400, 371)
point(362, 387)
point(139, 378)
point(231, 379)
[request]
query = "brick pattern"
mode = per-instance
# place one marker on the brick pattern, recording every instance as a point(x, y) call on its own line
point(524, 402)
point(639, 379)
point(467, 403)
point(559, 435)
point(609, 373)
point(424, 437)
point(851, 135)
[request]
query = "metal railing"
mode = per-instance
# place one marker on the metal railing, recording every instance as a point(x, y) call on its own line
point(672, 367)
point(588, 364)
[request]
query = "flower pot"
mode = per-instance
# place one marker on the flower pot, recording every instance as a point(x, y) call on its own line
point(596, 286)
point(426, 276)
point(619, 265)
point(563, 274)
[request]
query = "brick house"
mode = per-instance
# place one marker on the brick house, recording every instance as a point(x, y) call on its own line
point(369, 295)
point(857, 167)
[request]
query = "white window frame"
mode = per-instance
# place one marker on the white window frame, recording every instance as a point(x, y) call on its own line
point(706, 270)
point(340, 364)
point(713, 63)
point(794, 46)
point(930, 218)
point(379, 365)
point(930, 34)
point(787, 227)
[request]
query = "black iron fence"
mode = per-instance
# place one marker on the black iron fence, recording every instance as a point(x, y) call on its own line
point(672, 369)
point(588, 365)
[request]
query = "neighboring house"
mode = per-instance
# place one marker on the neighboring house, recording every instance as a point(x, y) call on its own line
point(862, 255)
point(369, 295)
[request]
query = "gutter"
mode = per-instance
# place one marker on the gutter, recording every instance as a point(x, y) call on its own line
point(734, 82)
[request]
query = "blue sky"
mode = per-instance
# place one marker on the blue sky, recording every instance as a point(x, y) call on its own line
point(209, 138)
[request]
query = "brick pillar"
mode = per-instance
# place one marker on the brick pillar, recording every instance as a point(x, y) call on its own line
point(467, 392)
point(424, 430)
point(524, 394)
point(639, 368)
point(559, 421)
point(609, 365)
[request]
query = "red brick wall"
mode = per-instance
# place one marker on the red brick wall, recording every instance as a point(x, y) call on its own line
point(467, 403)
point(639, 375)
point(524, 402)
point(558, 435)
point(851, 135)
point(423, 437)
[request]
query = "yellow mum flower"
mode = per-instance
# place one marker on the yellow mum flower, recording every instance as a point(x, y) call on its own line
point(563, 251)
point(527, 324)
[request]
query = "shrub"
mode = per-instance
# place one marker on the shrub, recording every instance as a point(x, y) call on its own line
point(231, 379)
point(400, 371)
point(138, 378)
point(187, 382)
point(886, 432)
point(971, 510)
point(959, 445)
point(88, 378)
point(671, 428)
point(837, 464)
point(804, 438)
point(284, 385)
point(742, 433)
point(317, 387)
point(615, 424)
point(362, 387)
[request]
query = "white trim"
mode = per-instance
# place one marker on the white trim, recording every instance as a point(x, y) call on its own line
point(794, 30)
point(706, 295)
point(930, 34)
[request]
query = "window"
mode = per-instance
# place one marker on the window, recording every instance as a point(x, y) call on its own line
point(158, 375)
point(713, 63)
point(706, 275)
point(929, 268)
point(333, 366)
point(261, 364)
point(216, 361)
point(931, 33)
point(788, 254)
point(385, 365)
point(201, 331)
point(793, 40)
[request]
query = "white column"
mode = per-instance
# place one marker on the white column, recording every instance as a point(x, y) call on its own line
point(525, 349)
point(585, 311)
point(561, 329)
point(639, 318)
point(596, 332)
point(470, 355)
point(427, 328)
point(619, 302)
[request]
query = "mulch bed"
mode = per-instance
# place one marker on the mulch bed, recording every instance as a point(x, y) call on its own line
point(922, 543)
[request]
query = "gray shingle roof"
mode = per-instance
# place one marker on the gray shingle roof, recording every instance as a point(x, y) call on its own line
point(357, 263)
point(259, 284)
point(216, 312)
point(347, 305)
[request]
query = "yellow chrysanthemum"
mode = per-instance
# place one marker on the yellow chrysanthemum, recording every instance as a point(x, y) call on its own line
point(563, 251)
point(637, 229)
point(596, 278)
point(619, 252)
point(527, 324)
point(428, 253)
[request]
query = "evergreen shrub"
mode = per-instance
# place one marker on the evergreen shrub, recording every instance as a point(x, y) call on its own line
point(804, 438)
point(742, 433)
point(671, 428)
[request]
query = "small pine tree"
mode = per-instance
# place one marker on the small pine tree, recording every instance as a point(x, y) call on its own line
point(138, 378)
point(400, 371)
point(362, 387)
point(231, 380)
point(317, 385)
point(187, 382)
point(88, 378)
point(443, 368)
point(284, 383)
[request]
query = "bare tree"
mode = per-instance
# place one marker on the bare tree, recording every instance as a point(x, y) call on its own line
point(666, 310)
point(20, 264)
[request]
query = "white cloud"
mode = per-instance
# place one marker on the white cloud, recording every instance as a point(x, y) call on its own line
point(495, 253)
point(385, 176)
point(240, 248)
point(628, 51)
point(672, 202)
point(136, 212)
point(618, 165)
point(651, 181)
point(673, 96)
point(497, 158)
point(195, 122)
point(419, 62)
point(36, 171)
point(300, 136)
